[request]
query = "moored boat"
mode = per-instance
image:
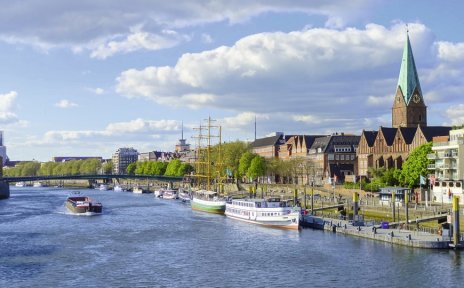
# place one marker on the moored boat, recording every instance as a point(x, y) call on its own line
point(272, 212)
point(37, 184)
point(83, 205)
point(137, 190)
point(170, 194)
point(118, 188)
point(20, 184)
point(158, 192)
point(184, 196)
point(103, 187)
point(208, 201)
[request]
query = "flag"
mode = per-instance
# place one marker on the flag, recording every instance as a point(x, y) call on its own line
point(422, 180)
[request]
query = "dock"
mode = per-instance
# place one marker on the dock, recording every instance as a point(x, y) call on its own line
point(398, 236)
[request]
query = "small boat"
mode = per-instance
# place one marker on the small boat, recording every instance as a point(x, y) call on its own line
point(83, 205)
point(103, 187)
point(137, 190)
point(158, 192)
point(118, 188)
point(184, 196)
point(20, 184)
point(170, 194)
point(37, 184)
point(271, 212)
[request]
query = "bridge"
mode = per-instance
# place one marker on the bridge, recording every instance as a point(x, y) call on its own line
point(91, 177)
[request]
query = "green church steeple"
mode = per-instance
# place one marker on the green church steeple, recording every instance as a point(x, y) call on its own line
point(408, 81)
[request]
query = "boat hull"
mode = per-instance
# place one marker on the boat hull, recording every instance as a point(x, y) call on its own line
point(290, 221)
point(216, 207)
point(83, 205)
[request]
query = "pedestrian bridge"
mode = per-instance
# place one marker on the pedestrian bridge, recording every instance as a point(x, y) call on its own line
point(91, 177)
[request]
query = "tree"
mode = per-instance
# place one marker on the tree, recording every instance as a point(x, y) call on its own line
point(173, 168)
point(244, 163)
point(257, 167)
point(107, 167)
point(414, 166)
point(131, 168)
point(232, 152)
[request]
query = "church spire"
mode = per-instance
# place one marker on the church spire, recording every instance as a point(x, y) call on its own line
point(408, 81)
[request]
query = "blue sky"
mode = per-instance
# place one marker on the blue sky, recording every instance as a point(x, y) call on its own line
point(83, 78)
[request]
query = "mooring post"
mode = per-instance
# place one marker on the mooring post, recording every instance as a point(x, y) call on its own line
point(456, 220)
point(312, 198)
point(355, 205)
point(295, 196)
point(393, 206)
point(406, 204)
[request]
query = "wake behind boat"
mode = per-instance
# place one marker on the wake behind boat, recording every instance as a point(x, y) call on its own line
point(270, 212)
point(83, 205)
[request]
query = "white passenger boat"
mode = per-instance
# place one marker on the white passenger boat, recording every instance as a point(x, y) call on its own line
point(170, 194)
point(271, 212)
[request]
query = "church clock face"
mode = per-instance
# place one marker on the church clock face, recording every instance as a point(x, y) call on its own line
point(416, 98)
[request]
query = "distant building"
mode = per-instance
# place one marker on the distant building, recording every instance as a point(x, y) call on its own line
point(182, 145)
point(59, 159)
point(268, 147)
point(158, 156)
point(122, 158)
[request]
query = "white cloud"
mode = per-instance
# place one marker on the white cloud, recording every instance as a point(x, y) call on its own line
point(65, 104)
point(106, 28)
point(126, 130)
point(450, 52)
point(7, 103)
point(455, 114)
point(99, 91)
point(137, 41)
point(379, 100)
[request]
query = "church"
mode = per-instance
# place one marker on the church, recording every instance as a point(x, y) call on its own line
point(390, 146)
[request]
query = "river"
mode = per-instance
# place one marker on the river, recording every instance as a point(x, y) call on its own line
point(142, 241)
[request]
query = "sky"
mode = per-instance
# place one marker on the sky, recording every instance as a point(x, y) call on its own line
point(84, 78)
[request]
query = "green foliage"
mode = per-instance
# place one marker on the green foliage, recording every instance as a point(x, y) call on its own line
point(414, 166)
point(257, 167)
point(232, 152)
point(107, 167)
point(131, 168)
point(172, 168)
point(244, 163)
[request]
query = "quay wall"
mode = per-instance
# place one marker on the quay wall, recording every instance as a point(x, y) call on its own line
point(414, 239)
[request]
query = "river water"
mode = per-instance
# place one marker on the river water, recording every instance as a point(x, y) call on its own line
point(142, 241)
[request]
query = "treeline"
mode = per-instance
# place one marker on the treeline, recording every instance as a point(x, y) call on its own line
point(74, 167)
point(172, 168)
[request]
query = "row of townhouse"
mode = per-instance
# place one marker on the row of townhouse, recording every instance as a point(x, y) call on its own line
point(323, 157)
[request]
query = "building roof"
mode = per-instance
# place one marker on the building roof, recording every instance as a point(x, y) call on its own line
point(389, 134)
point(267, 141)
point(370, 137)
point(432, 131)
point(408, 134)
point(408, 80)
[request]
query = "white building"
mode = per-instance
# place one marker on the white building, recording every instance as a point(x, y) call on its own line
point(122, 158)
point(447, 171)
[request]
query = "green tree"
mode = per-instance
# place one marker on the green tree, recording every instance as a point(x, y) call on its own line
point(158, 168)
point(244, 163)
point(257, 167)
point(173, 168)
point(131, 168)
point(414, 166)
point(107, 167)
point(232, 152)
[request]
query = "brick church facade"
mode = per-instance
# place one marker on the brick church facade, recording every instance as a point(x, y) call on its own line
point(390, 146)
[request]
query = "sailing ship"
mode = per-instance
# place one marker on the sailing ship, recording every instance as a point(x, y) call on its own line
point(208, 198)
